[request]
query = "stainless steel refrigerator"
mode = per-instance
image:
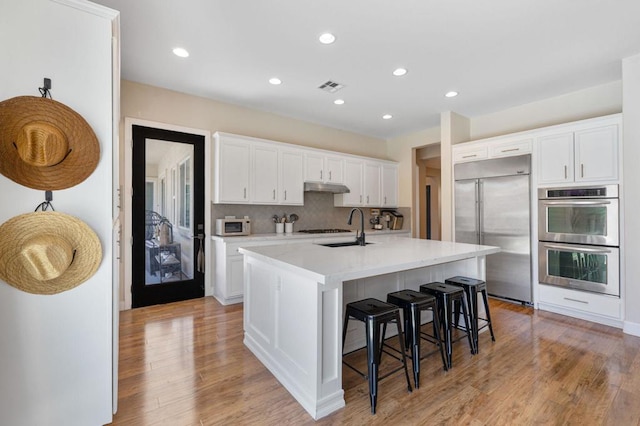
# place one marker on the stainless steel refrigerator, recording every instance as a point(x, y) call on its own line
point(492, 207)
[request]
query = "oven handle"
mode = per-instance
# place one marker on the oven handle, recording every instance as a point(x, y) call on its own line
point(576, 249)
point(576, 203)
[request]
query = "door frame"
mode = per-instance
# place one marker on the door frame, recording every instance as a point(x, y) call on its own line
point(126, 199)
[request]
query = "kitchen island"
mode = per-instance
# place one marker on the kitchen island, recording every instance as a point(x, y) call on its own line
point(294, 298)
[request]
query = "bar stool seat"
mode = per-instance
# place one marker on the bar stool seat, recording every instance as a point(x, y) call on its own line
point(472, 287)
point(412, 304)
point(375, 313)
point(446, 295)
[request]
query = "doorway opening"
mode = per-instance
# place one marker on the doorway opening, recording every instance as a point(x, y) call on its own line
point(427, 203)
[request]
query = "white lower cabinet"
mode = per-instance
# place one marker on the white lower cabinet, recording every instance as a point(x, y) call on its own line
point(228, 279)
point(594, 307)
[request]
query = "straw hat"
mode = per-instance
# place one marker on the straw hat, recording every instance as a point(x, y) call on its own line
point(47, 252)
point(45, 144)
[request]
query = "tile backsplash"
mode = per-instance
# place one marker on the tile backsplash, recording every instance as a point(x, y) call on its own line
point(318, 212)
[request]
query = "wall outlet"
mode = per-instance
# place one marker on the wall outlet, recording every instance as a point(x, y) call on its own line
point(375, 212)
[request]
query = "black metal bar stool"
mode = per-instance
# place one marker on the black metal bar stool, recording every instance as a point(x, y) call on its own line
point(446, 295)
point(412, 304)
point(472, 287)
point(374, 313)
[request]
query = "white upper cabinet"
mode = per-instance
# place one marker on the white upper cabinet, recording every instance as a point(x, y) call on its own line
point(334, 167)
point(510, 148)
point(291, 177)
point(588, 153)
point(232, 169)
point(555, 158)
point(353, 179)
point(265, 174)
point(320, 167)
point(313, 167)
point(578, 152)
point(372, 184)
point(389, 185)
point(257, 171)
point(469, 152)
point(494, 148)
point(596, 154)
point(372, 181)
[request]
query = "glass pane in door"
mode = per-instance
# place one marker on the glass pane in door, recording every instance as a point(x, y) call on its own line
point(169, 238)
point(590, 267)
point(583, 220)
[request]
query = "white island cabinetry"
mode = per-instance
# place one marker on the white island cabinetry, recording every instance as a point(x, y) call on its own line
point(295, 296)
point(228, 278)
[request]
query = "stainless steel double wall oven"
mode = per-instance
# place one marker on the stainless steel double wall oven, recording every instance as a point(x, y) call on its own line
point(578, 233)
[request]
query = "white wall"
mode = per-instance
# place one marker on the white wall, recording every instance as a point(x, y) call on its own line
point(631, 181)
point(592, 102)
point(399, 149)
point(56, 351)
point(166, 106)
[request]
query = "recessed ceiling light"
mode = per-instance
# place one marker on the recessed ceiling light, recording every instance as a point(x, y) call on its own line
point(275, 81)
point(327, 38)
point(398, 72)
point(339, 101)
point(179, 51)
point(451, 94)
point(387, 116)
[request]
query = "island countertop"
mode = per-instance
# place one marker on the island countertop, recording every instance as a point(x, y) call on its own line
point(391, 254)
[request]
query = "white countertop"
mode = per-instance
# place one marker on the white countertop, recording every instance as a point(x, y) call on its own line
point(391, 254)
point(301, 235)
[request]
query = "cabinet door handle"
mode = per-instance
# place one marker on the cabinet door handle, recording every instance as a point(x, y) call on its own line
point(469, 156)
point(361, 199)
point(576, 300)
point(565, 172)
point(329, 174)
point(285, 195)
point(385, 200)
point(320, 174)
point(274, 194)
point(510, 150)
point(245, 194)
point(581, 170)
point(367, 199)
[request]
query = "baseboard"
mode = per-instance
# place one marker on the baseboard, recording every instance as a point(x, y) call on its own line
point(632, 328)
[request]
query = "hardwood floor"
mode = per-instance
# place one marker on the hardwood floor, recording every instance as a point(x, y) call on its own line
point(184, 364)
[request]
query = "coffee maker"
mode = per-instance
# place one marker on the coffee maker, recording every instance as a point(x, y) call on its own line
point(393, 219)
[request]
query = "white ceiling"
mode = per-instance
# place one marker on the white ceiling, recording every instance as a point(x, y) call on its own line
point(495, 53)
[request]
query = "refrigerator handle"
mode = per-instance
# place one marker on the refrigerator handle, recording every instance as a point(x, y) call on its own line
point(480, 198)
point(478, 211)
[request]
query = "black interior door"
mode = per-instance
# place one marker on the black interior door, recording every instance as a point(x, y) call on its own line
point(167, 216)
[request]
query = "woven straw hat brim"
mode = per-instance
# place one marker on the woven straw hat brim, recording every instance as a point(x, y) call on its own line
point(75, 168)
point(17, 231)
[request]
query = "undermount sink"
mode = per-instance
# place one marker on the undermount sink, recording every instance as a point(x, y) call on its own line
point(345, 244)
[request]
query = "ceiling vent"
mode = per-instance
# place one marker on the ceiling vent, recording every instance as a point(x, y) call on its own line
point(331, 86)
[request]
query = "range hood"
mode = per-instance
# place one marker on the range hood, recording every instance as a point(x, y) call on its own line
point(333, 188)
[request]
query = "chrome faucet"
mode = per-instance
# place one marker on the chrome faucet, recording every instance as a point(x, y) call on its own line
point(359, 239)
